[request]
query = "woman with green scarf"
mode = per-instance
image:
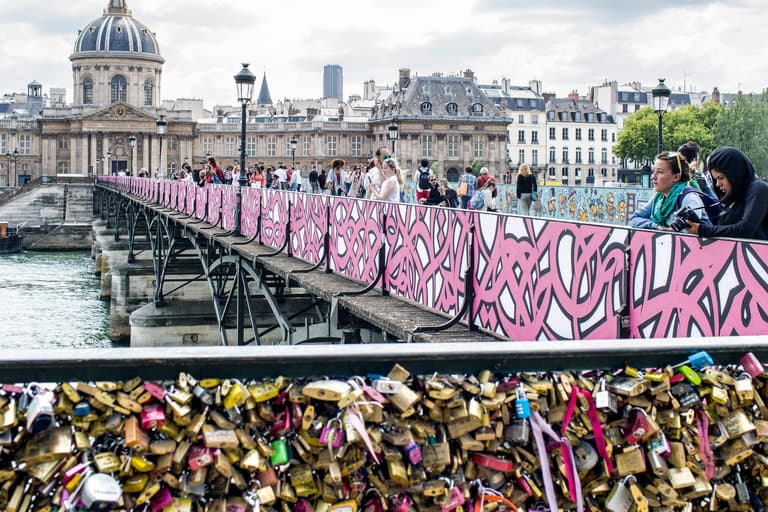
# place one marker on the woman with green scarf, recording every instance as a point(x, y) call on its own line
point(670, 179)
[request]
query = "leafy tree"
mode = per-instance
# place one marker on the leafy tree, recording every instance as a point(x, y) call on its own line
point(744, 125)
point(477, 164)
point(637, 140)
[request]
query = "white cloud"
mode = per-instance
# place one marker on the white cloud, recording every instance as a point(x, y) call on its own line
point(566, 44)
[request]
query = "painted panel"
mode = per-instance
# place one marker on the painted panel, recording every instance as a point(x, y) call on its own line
point(427, 255)
point(355, 237)
point(308, 225)
point(250, 210)
point(538, 279)
point(274, 217)
point(689, 287)
point(201, 202)
point(214, 203)
point(228, 205)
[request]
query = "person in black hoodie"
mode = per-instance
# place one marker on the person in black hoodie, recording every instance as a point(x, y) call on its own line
point(744, 196)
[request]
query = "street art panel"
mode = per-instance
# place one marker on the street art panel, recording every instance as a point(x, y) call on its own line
point(274, 217)
point(308, 225)
point(356, 234)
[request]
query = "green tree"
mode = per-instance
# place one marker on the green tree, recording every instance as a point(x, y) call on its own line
point(477, 164)
point(744, 125)
point(637, 140)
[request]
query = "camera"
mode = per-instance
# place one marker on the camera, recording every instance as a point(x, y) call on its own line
point(681, 216)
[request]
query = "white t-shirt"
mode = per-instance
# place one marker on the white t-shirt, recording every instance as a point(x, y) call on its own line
point(296, 177)
point(281, 174)
point(394, 193)
point(372, 177)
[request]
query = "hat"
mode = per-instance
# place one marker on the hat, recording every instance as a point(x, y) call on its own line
point(337, 163)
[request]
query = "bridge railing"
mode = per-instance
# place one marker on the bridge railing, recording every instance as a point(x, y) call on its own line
point(531, 278)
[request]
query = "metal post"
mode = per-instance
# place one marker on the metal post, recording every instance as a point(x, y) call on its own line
point(659, 145)
point(242, 181)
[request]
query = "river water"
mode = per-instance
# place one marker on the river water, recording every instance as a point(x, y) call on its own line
point(51, 300)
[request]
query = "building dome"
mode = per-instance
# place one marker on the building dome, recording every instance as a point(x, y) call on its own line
point(117, 33)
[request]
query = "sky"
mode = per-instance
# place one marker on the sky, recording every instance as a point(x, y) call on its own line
point(567, 44)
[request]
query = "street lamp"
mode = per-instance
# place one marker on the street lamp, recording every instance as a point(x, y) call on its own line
point(292, 144)
point(661, 94)
point(162, 126)
point(132, 145)
point(8, 169)
point(108, 167)
point(392, 129)
point(244, 81)
point(15, 164)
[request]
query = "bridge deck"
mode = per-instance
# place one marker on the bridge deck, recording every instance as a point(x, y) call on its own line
point(390, 314)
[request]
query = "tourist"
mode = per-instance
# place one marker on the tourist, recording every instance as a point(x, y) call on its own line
point(372, 176)
point(744, 195)
point(489, 196)
point(217, 176)
point(670, 182)
point(690, 151)
point(336, 180)
point(282, 177)
point(435, 195)
point(525, 190)
point(313, 180)
point(467, 186)
point(295, 180)
point(484, 178)
point(322, 179)
point(257, 178)
point(421, 180)
point(390, 187)
point(448, 193)
point(236, 175)
point(356, 184)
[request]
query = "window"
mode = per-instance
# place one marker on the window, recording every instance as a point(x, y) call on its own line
point(551, 134)
point(148, 92)
point(613, 137)
point(119, 88)
point(63, 167)
point(171, 168)
point(3, 144)
point(603, 172)
point(330, 141)
point(521, 156)
point(534, 118)
point(565, 133)
point(478, 146)
point(87, 91)
point(63, 143)
point(578, 155)
point(591, 172)
point(250, 146)
point(535, 137)
point(208, 145)
point(624, 108)
point(603, 156)
point(551, 171)
point(565, 171)
point(173, 143)
point(453, 146)
point(230, 145)
point(578, 172)
point(534, 157)
point(426, 146)
point(552, 154)
point(271, 145)
point(357, 145)
point(521, 136)
point(521, 118)
point(604, 135)
point(306, 145)
point(578, 133)
point(591, 155)
point(637, 107)
point(591, 134)
point(565, 155)
point(25, 144)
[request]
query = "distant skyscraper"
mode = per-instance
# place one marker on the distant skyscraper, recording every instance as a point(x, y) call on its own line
point(333, 82)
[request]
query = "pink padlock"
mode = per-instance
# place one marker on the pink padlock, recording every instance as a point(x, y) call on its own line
point(154, 389)
point(752, 365)
point(72, 472)
point(413, 452)
point(302, 506)
point(281, 425)
point(332, 434)
point(200, 457)
point(152, 416)
point(401, 502)
point(161, 500)
point(455, 500)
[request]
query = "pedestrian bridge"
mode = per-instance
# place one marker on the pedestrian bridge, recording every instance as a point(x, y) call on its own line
point(426, 274)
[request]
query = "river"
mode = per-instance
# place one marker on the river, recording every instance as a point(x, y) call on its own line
point(51, 300)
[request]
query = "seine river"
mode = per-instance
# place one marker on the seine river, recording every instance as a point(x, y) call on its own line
point(51, 300)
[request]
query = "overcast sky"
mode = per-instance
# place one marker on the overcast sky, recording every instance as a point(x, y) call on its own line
point(567, 44)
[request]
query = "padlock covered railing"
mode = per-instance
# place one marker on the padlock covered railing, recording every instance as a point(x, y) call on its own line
point(533, 279)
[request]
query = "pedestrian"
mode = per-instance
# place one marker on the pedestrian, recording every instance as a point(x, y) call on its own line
point(216, 171)
point(484, 178)
point(489, 196)
point(322, 179)
point(421, 181)
point(269, 178)
point(282, 177)
point(236, 175)
point(313, 182)
point(390, 186)
point(744, 195)
point(690, 151)
point(526, 189)
point(356, 184)
point(336, 181)
point(467, 186)
point(296, 180)
point(448, 193)
point(373, 174)
point(436, 195)
point(257, 178)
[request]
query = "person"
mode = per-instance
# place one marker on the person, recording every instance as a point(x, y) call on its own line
point(422, 181)
point(373, 173)
point(335, 182)
point(448, 193)
point(269, 177)
point(484, 178)
point(526, 186)
point(390, 187)
point(322, 179)
point(670, 182)
point(489, 197)
point(296, 180)
point(435, 197)
point(690, 151)
point(356, 188)
point(471, 181)
point(203, 177)
point(282, 177)
point(216, 171)
point(744, 195)
point(313, 180)
point(257, 178)
point(236, 175)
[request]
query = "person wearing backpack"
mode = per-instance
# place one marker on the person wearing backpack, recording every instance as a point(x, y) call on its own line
point(422, 181)
point(670, 182)
point(744, 195)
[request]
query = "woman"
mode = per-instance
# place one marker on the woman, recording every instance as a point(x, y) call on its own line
point(451, 198)
point(216, 171)
point(335, 181)
point(236, 175)
point(745, 198)
point(257, 178)
point(435, 193)
point(489, 197)
point(526, 185)
point(390, 187)
point(356, 188)
point(690, 151)
point(670, 180)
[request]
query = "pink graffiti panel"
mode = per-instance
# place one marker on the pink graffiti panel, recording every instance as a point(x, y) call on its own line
point(427, 255)
point(201, 202)
point(215, 197)
point(228, 204)
point(308, 225)
point(539, 279)
point(685, 286)
point(174, 194)
point(274, 217)
point(250, 210)
point(355, 237)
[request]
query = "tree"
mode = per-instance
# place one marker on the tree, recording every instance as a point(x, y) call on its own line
point(477, 164)
point(744, 125)
point(637, 140)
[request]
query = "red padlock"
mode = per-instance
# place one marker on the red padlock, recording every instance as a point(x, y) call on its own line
point(638, 427)
point(200, 457)
point(152, 416)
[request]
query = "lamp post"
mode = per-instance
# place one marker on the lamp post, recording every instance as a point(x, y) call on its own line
point(661, 94)
point(392, 129)
point(292, 144)
point(15, 165)
point(162, 126)
point(132, 145)
point(108, 166)
point(244, 81)
point(8, 169)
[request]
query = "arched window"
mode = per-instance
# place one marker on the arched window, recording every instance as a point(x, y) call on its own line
point(148, 92)
point(119, 89)
point(87, 91)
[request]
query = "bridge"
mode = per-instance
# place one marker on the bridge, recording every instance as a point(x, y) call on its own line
point(423, 274)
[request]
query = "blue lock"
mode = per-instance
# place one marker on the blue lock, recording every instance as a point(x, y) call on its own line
point(522, 404)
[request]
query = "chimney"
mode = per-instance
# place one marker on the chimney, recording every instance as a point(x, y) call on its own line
point(535, 86)
point(405, 77)
point(469, 74)
point(716, 95)
point(219, 115)
point(548, 96)
point(574, 95)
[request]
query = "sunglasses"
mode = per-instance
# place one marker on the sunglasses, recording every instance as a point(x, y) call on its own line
point(386, 157)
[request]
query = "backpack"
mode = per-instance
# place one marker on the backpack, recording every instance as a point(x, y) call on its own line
point(478, 200)
point(712, 206)
point(424, 179)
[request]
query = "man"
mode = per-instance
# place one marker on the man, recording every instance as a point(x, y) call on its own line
point(471, 182)
point(313, 183)
point(421, 179)
point(373, 174)
point(282, 177)
point(484, 178)
point(296, 180)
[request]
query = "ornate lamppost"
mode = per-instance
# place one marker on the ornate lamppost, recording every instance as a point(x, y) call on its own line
point(132, 145)
point(244, 81)
point(292, 144)
point(661, 94)
point(392, 129)
point(162, 127)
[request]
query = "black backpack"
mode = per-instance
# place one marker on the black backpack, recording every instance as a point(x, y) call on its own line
point(424, 179)
point(712, 206)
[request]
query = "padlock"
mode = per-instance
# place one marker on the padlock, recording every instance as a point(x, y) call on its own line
point(522, 404)
point(604, 399)
point(742, 491)
point(100, 492)
point(744, 389)
point(39, 412)
point(332, 434)
point(752, 365)
point(620, 498)
point(152, 416)
point(161, 500)
point(639, 426)
point(199, 457)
